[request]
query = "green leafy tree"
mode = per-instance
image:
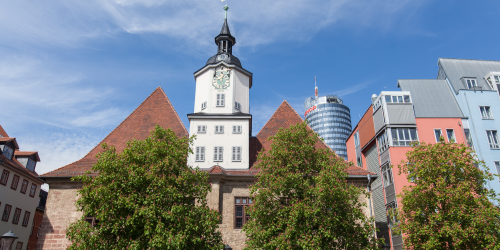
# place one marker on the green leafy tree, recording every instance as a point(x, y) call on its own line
point(448, 207)
point(302, 200)
point(144, 198)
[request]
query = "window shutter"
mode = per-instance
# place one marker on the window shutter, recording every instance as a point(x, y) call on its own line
point(234, 129)
point(222, 97)
point(238, 153)
point(197, 153)
point(202, 154)
point(215, 153)
point(234, 153)
point(239, 129)
point(218, 99)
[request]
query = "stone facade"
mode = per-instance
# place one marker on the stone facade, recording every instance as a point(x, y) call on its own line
point(60, 212)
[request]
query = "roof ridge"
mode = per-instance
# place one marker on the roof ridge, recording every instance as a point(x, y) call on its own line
point(171, 105)
point(284, 101)
point(468, 59)
point(130, 115)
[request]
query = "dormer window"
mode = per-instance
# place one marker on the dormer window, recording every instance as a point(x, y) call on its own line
point(397, 99)
point(30, 165)
point(471, 83)
point(7, 152)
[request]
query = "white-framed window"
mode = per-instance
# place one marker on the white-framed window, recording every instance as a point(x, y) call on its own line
point(202, 129)
point(356, 139)
point(397, 99)
point(383, 143)
point(359, 161)
point(236, 154)
point(236, 129)
point(30, 165)
point(471, 83)
point(7, 152)
point(221, 100)
point(451, 135)
point(468, 137)
point(387, 175)
point(403, 136)
point(200, 153)
point(497, 166)
point(237, 105)
point(203, 105)
point(486, 112)
point(219, 129)
point(438, 133)
point(493, 139)
point(218, 153)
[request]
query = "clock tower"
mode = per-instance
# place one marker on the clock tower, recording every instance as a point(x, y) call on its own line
point(221, 120)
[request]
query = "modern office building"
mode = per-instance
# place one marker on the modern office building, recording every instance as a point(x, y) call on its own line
point(331, 119)
point(422, 112)
point(476, 88)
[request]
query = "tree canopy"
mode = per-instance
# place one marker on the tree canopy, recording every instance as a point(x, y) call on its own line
point(449, 206)
point(302, 200)
point(144, 198)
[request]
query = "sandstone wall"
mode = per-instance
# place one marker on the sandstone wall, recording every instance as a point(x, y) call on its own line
point(60, 211)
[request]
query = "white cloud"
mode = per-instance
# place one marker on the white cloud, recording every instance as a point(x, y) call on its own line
point(53, 98)
point(196, 22)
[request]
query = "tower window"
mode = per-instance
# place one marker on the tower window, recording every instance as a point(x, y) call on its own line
point(236, 153)
point(203, 105)
point(202, 129)
point(218, 153)
point(219, 129)
point(221, 100)
point(237, 105)
point(237, 129)
point(200, 153)
point(224, 46)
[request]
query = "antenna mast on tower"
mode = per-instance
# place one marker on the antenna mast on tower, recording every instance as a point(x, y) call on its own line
point(315, 88)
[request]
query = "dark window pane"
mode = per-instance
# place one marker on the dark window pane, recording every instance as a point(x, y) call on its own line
point(400, 99)
point(407, 98)
point(413, 134)
point(407, 135)
point(388, 99)
point(401, 136)
point(249, 201)
point(239, 211)
point(395, 99)
point(239, 222)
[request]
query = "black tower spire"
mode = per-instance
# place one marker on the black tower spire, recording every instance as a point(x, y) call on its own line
point(225, 42)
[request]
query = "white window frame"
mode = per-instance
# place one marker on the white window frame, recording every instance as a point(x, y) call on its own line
point(497, 166)
point(397, 99)
point(407, 141)
point(473, 83)
point(356, 139)
point(203, 105)
point(383, 143)
point(440, 134)
point(218, 153)
point(237, 106)
point(493, 135)
point(200, 154)
point(452, 134)
point(387, 175)
point(236, 129)
point(219, 129)
point(236, 154)
point(486, 112)
point(202, 129)
point(221, 100)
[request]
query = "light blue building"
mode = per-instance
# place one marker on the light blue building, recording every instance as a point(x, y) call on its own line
point(476, 85)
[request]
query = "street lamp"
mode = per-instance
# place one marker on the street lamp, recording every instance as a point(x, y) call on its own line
point(7, 240)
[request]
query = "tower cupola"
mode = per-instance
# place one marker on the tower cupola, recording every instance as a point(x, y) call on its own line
point(225, 42)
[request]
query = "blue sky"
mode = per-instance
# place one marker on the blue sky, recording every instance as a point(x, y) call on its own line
point(71, 71)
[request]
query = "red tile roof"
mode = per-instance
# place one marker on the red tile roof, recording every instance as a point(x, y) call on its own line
point(14, 163)
point(156, 109)
point(8, 139)
point(2, 132)
point(27, 153)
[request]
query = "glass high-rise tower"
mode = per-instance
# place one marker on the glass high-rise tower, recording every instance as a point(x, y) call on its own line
point(331, 119)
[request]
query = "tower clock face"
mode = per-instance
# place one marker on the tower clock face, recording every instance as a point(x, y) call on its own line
point(221, 79)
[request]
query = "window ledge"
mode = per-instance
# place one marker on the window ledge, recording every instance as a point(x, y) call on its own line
point(487, 118)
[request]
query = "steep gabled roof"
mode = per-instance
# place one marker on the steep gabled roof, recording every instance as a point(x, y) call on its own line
point(27, 153)
point(2, 132)
point(155, 110)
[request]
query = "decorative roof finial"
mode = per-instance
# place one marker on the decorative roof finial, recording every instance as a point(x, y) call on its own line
point(226, 8)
